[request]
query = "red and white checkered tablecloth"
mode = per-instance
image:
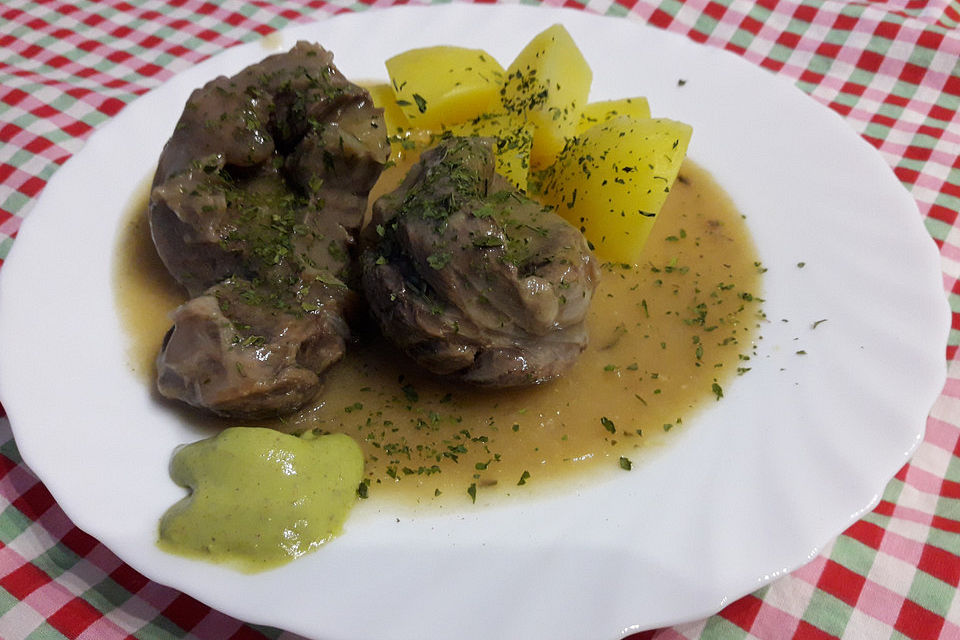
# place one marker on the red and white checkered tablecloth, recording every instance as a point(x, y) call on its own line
point(891, 69)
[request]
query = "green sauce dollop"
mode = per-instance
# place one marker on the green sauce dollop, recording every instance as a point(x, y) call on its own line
point(260, 498)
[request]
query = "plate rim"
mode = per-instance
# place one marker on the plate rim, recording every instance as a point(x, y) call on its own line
point(13, 409)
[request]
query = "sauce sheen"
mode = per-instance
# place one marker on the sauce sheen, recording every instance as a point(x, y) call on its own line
point(667, 336)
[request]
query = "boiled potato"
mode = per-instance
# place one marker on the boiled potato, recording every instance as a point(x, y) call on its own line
point(514, 141)
point(611, 181)
point(398, 129)
point(596, 112)
point(444, 85)
point(548, 83)
point(384, 98)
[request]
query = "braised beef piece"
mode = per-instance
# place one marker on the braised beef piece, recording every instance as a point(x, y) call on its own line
point(471, 278)
point(244, 359)
point(255, 207)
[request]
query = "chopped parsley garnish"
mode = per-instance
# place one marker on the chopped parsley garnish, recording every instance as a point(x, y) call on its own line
point(717, 390)
point(608, 424)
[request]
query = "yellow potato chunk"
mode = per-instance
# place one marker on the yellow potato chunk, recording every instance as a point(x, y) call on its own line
point(596, 112)
point(399, 132)
point(612, 181)
point(548, 83)
point(443, 85)
point(384, 98)
point(512, 149)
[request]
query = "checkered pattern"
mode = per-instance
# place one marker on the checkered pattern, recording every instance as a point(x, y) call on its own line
point(892, 69)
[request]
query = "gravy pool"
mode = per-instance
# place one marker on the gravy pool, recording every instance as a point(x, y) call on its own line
point(667, 336)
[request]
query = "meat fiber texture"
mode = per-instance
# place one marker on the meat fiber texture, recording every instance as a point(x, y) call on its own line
point(255, 207)
point(472, 279)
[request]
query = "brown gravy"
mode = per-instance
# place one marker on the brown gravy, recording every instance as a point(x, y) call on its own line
point(667, 336)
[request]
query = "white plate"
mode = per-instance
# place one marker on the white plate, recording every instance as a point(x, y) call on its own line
point(797, 450)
